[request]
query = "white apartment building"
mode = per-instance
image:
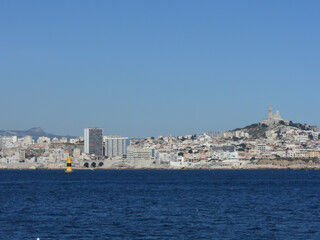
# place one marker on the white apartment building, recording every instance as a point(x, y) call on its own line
point(138, 153)
point(261, 148)
point(42, 140)
point(8, 141)
point(115, 146)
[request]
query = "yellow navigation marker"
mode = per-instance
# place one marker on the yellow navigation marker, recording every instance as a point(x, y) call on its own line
point(69, 169)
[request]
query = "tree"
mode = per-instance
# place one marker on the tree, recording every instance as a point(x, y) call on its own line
point(235, 139)
point(180, 154)
point(252, 125)
point(190, 151)
point(243, 145)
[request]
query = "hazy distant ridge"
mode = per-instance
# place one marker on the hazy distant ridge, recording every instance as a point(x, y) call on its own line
point(35, 133)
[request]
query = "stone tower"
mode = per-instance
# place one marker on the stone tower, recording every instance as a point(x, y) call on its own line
point(270, 112)
point(273, 119)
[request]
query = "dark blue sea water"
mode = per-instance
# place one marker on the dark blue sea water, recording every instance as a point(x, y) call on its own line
point(159, 204)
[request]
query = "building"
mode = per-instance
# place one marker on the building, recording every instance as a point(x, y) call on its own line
point(222, 156)
point(166, 155)
point(261, 148)
point(76, 153)
point(139, 153)
point(27, 140)
point(93, 141)
point(273, 118)
point(225, 148)
point(43, 140)
point(115, 146)
point(215, 134)
point(8, 141)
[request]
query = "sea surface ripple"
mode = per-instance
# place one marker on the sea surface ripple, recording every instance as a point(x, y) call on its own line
point(147, 204)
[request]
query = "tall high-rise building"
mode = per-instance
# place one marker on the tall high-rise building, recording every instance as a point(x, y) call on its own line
point(93, 140)
point(115, 146)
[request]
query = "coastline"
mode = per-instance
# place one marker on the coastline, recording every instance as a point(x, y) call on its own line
point(161, 168)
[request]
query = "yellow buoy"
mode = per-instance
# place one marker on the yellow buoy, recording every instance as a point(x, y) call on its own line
point(69, 169)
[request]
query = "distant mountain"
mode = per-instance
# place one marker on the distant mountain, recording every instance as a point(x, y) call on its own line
point(35, 133)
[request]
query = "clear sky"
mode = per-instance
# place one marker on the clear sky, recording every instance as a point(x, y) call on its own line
point(150, 68)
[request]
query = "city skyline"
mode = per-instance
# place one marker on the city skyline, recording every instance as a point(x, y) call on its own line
point(113, 134)
point(146, 68)
point(271, 120)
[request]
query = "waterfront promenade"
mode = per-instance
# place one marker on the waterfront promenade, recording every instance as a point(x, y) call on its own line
point(148, 164)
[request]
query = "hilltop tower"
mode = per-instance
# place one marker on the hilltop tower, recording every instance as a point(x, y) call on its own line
point(273, 119)
point(270, 111)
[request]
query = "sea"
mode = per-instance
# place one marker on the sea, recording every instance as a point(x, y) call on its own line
point(159, 204)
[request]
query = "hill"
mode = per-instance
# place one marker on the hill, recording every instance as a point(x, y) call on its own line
point(35, 133)
point(258, 130)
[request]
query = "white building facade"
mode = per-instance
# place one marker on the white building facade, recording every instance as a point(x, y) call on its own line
point(115, 146)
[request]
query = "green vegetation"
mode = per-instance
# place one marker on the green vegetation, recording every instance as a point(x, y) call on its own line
point(258, 130)
point(300, 126)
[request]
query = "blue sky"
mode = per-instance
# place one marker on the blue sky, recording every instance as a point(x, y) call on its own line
point(150, 68)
